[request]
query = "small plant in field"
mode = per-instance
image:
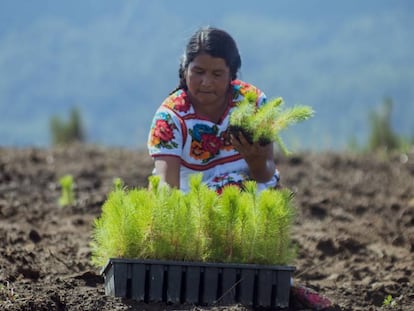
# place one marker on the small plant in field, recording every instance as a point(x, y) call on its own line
point(165, 223)
point(263, 124)
point(382, 135)
point(118, 183)
point(389, 302)
point(7, 292)
point(67, 196)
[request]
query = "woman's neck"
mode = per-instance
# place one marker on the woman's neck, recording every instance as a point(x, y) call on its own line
point(212, 112)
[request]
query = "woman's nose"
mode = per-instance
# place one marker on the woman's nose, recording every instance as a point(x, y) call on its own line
point(206, 81)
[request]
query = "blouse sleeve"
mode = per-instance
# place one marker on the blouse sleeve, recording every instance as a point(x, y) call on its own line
point(261, 98)
point(165, 136)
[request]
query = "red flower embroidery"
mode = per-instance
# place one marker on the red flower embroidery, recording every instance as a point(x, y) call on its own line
point(211, 143)
point(163, 131)
point(181, 103)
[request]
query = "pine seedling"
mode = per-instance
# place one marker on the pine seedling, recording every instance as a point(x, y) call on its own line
point(202, 200)
point(291, 116)
point(118, 183)
point(240, 116)
point(193, 243)
point(275, 219)
point(115, 232)
point(213, 228)
point(263, 124)
point(67, 196)
point(170, 231)
point(173, 235)
point(157, 234)
point(143, 202)
point(131, 244)
point(248, 212)
point(179, 216)
point(286, 214)
point(389, 302)
point(229, 213)
point(263, 120)
point(121, 231)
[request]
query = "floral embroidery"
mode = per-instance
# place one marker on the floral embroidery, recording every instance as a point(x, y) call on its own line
point(219, 189)
point(211, 143)
point(241, 88)
point(162, 132)
point(205, 142)
point(197, 151)
point(219, 182)
point(178, 101)
point(222, 178)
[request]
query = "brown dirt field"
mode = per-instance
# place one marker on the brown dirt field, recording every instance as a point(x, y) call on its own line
point(354, 228)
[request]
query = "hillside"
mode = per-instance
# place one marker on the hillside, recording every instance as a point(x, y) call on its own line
point(117, 60)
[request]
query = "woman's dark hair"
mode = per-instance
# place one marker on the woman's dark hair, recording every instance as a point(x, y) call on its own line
point(214, 42)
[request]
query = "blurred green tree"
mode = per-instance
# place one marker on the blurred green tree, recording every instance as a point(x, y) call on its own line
point(382, 137)
point(63, 133)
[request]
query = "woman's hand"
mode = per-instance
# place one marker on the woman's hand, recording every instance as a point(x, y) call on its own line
point(260, 159)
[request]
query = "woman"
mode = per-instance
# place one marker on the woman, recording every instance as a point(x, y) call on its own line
point(189, 133)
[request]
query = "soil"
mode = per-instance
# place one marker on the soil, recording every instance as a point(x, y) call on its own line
point(354, 227)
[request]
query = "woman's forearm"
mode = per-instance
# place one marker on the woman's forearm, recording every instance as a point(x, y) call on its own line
point(261, 170)
point(168, 169)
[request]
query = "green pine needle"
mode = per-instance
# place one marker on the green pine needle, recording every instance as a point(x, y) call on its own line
point(265, 123)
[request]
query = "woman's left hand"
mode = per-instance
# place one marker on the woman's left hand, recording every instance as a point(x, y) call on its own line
point(249, 150)
point(260, 159)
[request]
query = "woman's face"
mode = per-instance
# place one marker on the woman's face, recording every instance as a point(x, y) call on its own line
point(208, 79)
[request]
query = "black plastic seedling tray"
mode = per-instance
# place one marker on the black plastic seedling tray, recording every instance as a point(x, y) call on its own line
point(179, 282)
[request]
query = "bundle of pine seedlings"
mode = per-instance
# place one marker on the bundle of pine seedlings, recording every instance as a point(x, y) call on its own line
point(264, 123)
point(164, 223)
